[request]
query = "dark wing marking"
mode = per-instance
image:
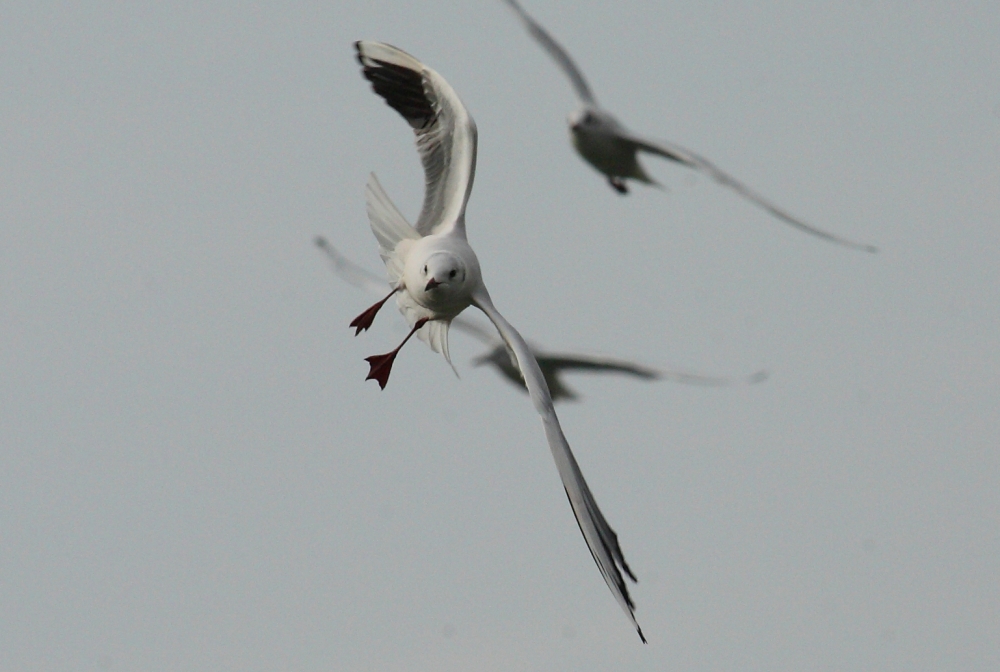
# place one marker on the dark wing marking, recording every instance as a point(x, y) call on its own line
point(446, 134)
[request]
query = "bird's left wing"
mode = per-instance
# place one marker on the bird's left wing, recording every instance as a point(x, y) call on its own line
point(557, 52)
point(446, 133)
point(600, 537)
point(688, 158)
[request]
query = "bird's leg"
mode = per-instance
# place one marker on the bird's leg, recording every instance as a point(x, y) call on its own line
point(618, 184)
point(381, 365)
point(365, 319)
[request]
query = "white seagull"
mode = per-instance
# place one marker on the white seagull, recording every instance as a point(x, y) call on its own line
point(612, 149)
point(552, 364)
point(436, 273)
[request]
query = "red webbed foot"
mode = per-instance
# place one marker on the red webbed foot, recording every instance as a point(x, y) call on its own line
point(365, 319)
point(381, 365)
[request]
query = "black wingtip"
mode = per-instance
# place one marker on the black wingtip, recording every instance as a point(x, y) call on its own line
point(400, 86)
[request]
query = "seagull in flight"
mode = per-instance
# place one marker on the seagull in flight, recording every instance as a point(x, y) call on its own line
point(552, 364)
point(436, 274)
point(613, 150)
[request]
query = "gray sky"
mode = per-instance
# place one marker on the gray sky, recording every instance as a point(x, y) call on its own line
point(194, 474)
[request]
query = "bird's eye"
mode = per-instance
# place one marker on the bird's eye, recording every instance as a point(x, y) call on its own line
point(453, 273)
point(425, 268)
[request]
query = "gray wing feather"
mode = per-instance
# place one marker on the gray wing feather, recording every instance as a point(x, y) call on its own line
point(600, 537)
point(555, 51)
point(688, 158)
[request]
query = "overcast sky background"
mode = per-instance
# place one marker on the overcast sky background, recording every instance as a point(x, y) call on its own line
point(194, 474)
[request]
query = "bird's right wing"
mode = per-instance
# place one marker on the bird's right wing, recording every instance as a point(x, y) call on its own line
point(600, 537)
point(557, 52)
point(688, 158)
point(571, 362)
point(446, 133)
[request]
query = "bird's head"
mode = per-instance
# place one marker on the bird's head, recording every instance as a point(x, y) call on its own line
point(443, 273)
point(586, 118)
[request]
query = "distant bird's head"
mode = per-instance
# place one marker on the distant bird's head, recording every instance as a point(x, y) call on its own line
point(585, 119)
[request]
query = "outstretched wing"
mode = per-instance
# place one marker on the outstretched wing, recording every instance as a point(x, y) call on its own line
point(557, 52)
point(446, 134)
point(601, 539)
point(688, 158)
point(351, 272)
point(552, 366)
point(559, 363)
point(595, 365)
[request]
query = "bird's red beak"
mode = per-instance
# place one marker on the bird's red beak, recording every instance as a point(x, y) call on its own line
point(431, 284)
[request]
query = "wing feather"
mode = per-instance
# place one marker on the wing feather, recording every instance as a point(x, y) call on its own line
point(600, 537)
point(445, 132)
point(387, 222)
point(688, 158)
point(556, 51)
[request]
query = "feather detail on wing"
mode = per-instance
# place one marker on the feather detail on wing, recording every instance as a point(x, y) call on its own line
point(688, 158)
point(446, 133)
point(556, 51)
point(600, 537)
point(387, 222)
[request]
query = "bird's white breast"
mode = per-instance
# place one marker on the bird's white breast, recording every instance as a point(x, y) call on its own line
point(454, 295)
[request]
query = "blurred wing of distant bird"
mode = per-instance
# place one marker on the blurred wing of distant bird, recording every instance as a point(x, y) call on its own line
point(609, 365)
point(351, 272)
point(688, 158)
point(556, 51)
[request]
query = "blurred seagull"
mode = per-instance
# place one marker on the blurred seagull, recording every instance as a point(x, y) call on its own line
point(612, 149)
point(551, 364)
point(436, 273)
